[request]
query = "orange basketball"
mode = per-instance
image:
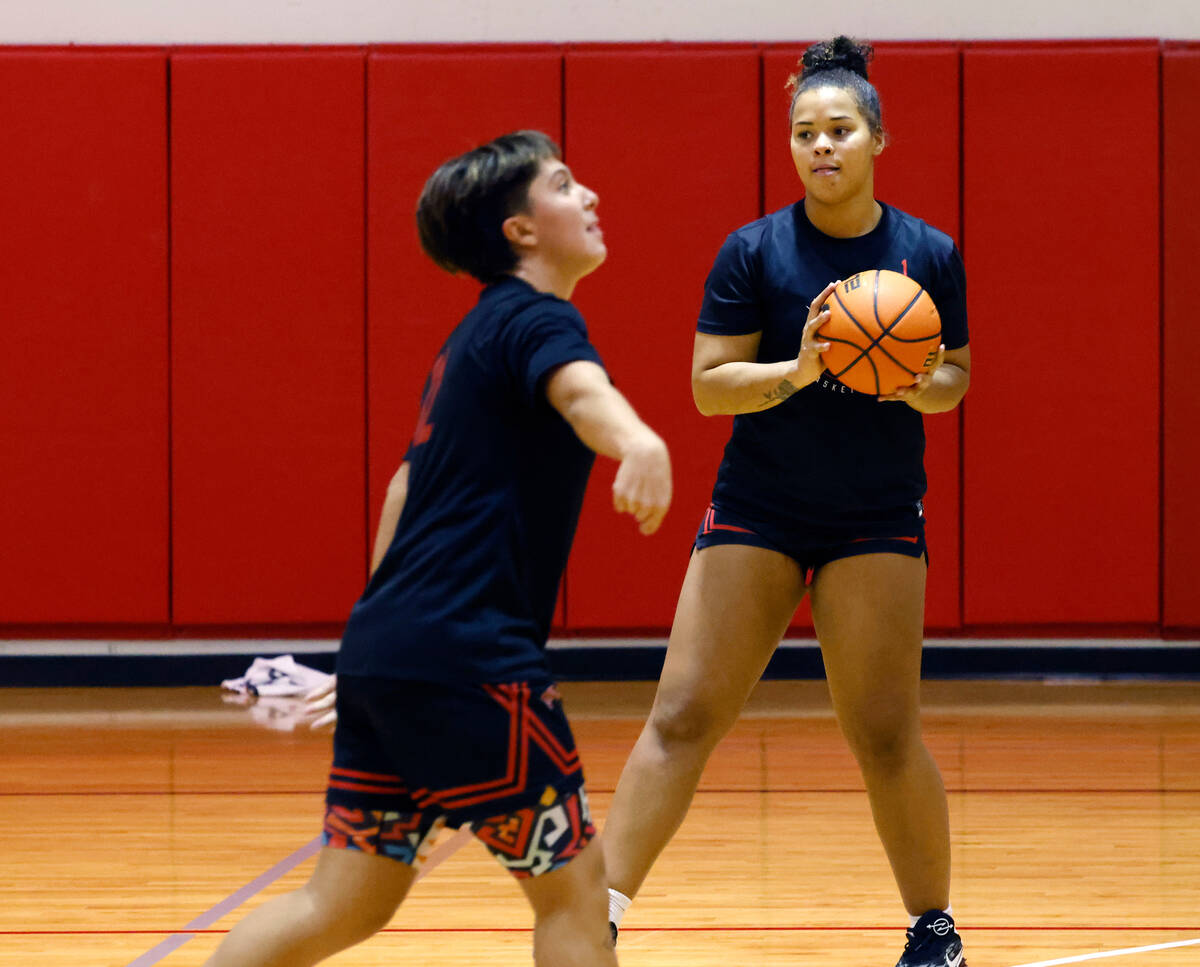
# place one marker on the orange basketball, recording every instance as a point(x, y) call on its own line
point(883, 331)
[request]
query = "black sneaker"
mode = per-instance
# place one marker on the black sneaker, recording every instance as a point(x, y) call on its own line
point(613, 927)
point(933, 942)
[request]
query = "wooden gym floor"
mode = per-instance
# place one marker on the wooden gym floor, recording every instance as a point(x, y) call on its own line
point(140, 824)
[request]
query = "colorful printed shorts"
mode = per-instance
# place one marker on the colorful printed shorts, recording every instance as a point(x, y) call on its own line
point(412, 757)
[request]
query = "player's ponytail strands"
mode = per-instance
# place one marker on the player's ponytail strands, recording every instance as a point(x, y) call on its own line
point(840, 62)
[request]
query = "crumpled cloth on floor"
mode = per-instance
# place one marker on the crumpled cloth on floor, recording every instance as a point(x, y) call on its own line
point(279, 676)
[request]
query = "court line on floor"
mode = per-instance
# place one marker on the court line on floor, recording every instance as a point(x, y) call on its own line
point(599, 791)
point(231, 902)
point(261, 882)
point(710, 928)
point(1082, 958)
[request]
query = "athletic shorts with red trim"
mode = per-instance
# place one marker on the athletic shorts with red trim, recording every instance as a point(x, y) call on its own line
point(812, 546)
point(412, 757)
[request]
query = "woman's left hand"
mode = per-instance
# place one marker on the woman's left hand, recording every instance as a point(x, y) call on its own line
point(919, 386)
point(322, 702)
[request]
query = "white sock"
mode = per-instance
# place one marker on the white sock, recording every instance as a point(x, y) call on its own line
point(618, 903)
point(912, 921)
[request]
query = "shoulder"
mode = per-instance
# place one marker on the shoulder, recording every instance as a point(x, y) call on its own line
point(933, 240)
point(748, 249)
point(762, 233)
point(514, 306)
point(547, 313)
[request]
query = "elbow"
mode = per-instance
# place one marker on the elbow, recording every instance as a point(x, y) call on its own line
point(703, 400)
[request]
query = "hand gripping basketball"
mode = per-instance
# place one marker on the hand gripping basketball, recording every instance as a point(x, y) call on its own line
point(884, 333)
point(809, 364)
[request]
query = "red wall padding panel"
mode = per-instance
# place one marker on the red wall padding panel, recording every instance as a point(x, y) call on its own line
point(83, 371)
point(1181, 410)
point(675, 174)
point(268, 330)
point(919, 172)
point(422, 109)
point(1062, 423)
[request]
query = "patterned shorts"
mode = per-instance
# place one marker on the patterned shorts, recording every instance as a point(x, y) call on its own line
point(412, 757)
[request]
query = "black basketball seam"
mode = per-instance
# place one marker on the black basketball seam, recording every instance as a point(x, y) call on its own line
point(862, 353)
point(859, 359)
point(872, 341)
point(888, 330)
point(850, 316)
point(903, 312)
point(910, 338)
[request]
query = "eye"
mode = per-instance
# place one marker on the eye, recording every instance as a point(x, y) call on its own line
point(802, 135)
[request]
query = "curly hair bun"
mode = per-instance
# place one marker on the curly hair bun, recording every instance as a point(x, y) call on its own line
point(840, 53)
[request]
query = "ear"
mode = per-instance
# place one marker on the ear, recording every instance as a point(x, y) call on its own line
point(520, 231)
point(880, 143)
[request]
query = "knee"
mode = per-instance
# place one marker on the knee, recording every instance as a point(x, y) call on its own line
point(353, 916)
point(884, 743)
point(687, 722)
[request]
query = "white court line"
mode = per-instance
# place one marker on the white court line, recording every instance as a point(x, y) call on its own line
point(1112, 953)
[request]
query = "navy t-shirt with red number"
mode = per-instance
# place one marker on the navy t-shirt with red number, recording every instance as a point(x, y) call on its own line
point(827, 454)
point(466, 591)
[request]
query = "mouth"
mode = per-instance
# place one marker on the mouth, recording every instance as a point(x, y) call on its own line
point(826, 170)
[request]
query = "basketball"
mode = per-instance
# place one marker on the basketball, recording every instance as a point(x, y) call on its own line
point(883, 331)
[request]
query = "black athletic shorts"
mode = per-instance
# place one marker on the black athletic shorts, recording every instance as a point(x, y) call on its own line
point(812, 546)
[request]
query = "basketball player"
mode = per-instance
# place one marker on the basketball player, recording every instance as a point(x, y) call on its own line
point(819, 493)
point(446, 714)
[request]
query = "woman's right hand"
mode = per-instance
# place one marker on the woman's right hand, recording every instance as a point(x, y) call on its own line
point(808, 362)
point(643, 486)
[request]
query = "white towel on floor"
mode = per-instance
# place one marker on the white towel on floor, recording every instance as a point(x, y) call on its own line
point(279, 676)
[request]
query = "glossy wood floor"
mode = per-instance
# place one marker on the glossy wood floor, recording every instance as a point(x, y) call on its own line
point(129, 815)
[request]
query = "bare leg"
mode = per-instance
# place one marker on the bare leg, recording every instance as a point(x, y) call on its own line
point(350, 896)
point(869, 616)
point(734, 607)
point(571, 907)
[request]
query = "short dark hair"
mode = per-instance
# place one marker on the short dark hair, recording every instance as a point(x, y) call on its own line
point(840, 62)
point(466, 200)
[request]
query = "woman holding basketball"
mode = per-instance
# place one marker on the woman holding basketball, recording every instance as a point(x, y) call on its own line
point(819, 493)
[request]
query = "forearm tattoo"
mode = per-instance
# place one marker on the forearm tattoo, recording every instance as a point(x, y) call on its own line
point(779, 393)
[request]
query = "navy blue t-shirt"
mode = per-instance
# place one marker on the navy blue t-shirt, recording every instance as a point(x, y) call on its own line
point(826, 454)
point(467, 589)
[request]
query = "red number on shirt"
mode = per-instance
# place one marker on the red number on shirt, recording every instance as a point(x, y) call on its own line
point(424, 428)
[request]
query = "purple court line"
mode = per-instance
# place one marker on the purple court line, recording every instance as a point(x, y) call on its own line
point(443, 853)
point(231, 902)
point(238, 897)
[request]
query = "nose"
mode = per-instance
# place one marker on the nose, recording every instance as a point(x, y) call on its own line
point(590, 199)
point(822, 144)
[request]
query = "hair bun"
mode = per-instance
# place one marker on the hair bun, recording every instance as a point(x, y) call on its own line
point(839, 53)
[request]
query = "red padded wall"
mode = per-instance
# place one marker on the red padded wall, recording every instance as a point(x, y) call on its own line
point(422, 109)
point(675, 173)
point(1181, 338)
point(919, 172)
point(1062, 424)
point(268, 330)
point(83, 371)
